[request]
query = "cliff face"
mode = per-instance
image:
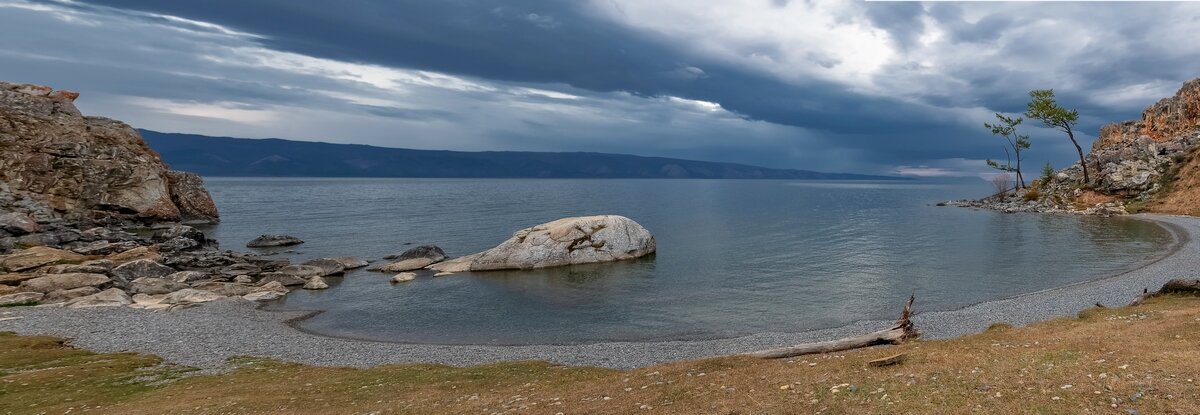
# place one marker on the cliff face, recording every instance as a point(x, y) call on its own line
point(57, 165)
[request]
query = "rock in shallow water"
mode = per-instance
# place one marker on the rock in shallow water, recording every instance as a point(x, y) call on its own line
point(266, 241)
point(404, 277)
point(567, 241)
point(316, 283)
point(349, 262)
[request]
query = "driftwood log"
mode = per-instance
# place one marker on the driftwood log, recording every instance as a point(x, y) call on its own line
point(1176, 286)
point(903, 330)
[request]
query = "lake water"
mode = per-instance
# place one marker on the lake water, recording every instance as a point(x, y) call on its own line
point(734, 257)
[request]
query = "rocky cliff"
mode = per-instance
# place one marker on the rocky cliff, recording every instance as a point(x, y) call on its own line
point(1144, 164)
point(58, 166)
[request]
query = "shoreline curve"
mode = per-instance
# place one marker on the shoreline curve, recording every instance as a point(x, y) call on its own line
point(206, 336)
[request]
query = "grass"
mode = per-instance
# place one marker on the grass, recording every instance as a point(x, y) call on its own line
point(1106, 360)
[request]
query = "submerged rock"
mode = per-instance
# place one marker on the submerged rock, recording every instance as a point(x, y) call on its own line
point(404, 277)
point(349, 262)
point(266, 241)
point(316, 283)
point(328, 266)
point(567, 241)
point(412, 259)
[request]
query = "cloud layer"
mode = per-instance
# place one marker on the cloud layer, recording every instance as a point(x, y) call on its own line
point(828, 85)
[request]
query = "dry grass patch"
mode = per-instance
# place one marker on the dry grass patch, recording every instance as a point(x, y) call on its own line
point(1142, 358)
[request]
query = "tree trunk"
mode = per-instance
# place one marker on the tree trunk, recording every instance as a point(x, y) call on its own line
point(903, 330)
point(1079, 150)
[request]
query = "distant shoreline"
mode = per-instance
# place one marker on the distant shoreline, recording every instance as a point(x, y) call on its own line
point(206, 336)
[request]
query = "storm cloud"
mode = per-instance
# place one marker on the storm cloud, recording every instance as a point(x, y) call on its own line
point(828, 85)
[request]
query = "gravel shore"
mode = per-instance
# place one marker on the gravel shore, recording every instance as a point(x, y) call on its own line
point(206, 336)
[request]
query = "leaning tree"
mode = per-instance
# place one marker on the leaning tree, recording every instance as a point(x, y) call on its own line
point(1007, 128)
point(1043, 107)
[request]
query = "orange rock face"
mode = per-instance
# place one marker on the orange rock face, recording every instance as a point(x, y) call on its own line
point(1164, 121)
point(56, 163)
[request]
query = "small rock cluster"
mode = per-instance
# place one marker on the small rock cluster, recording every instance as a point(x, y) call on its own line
point(154, 272)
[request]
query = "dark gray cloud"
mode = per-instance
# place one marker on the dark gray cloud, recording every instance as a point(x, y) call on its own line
point(599, 75)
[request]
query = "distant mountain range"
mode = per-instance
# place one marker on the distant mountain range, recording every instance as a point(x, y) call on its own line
point(226, 156)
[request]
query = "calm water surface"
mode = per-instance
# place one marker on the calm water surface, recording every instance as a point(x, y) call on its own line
point(734, 257)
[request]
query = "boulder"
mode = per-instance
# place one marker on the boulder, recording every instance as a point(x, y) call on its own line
point(18, 223)
point(431, 252)
point(154, 286)
point(281, 278)
point(266, 241)
point(149, 302)
point(460, 264)
point(328, 266)
point(55, 282)
point(179, 238)
point(567, 241)
point(36, 257)
point(105, 247)
point(302, 271)
point(243, 279)
point(112, 297)
point(59, 296)
point(141, 252)
point(404, 277)
point(240, 269)
point(403, 265)
point(264, 296)
point(187, 276)
point(190, 296)
point(20, 299)
point(130, 271)
point(189, 195)
point(274, 286)
point(7, 289)
point(349, 262)
point(316, 283)
point(74, 268)
point(82, 169)
point(227, 289)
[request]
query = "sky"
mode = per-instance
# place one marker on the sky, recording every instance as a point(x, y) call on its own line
point(845, 86)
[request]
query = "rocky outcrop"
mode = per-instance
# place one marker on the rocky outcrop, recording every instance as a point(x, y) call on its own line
point(59, 165)
point(1135, 164)
point(567, 241)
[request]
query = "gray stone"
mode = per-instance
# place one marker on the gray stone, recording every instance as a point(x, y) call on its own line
point(227, 289)
point(59, 296)
point(328, 266)
point(349, 262)
point(266, 241)
point(55, 282)
point(18, 223)
point(154, 286)
point(133, 270)
point(431, 252)
point(187, 276)
point(264, 296)
point(190, 296)
point(20, 298)
point(302, 271)
point(403, 277)
point(281, 278)
point(316, 283)
point(403, 265)
point(241, 269)
point(112, 297)
point(567, 241)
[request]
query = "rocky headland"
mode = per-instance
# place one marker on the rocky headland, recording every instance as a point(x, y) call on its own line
point(1148, 164)
point(90, 216)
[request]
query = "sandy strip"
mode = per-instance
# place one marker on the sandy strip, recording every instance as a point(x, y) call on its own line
point(206, 336)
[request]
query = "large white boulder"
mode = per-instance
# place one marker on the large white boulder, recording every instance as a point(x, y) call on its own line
point(567, 241)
